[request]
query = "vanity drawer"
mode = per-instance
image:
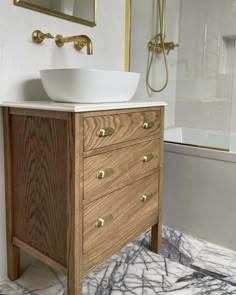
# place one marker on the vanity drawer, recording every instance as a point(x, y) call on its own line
point(107, 172)
point(113, 221)
point(106, 130)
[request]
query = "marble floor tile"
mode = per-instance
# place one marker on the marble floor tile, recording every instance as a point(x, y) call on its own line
point(205, 257)
point(216, 260)
point(39, 279)
point(8, 288)
point(200, 284)
point(134, 270)
point(180, 247)
point(175, 245)
point(187, 266)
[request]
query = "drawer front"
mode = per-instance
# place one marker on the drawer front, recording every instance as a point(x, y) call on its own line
point(102, 131)
point(113, 170)
point(113, 221)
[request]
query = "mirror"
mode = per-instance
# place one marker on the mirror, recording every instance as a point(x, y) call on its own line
point(80, 11)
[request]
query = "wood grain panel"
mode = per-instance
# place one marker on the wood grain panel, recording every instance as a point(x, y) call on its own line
point(157, 229)
point(39, 150)
point(120, 111)
point(117, 146)
point(35, 253)
point(75, 205)
point(126, 127)
point(127, 164)
point(131, 217)
point(13, 252)
point(39, 113)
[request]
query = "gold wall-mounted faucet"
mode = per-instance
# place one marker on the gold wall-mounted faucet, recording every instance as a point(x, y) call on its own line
point(79, 42)
point(38, 36)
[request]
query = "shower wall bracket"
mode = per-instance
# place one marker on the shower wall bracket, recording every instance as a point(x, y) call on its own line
point(153, 46)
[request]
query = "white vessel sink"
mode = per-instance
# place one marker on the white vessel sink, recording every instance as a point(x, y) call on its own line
point(89, 86)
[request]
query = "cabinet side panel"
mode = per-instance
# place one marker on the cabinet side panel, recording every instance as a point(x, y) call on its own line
point(13, 253)
point(157, 228)
point(75, 204)
point(39, 170)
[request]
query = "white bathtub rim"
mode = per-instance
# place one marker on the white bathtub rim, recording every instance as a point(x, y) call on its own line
point(200, 152)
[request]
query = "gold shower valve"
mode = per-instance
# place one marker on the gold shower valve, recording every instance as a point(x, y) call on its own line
point(159, 48)
point(38, 36)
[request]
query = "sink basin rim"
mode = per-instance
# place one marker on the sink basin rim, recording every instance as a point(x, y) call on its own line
point(89, 70)
point(79, 85)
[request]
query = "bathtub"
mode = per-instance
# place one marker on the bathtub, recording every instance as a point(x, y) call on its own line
point(199, 190)
point(205, 138)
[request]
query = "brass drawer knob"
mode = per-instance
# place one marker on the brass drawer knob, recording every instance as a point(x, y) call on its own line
point(104, 173)
point(104, 221)
point(148, 157)
point(103, 132)
point(146, 197)
point(148, 125)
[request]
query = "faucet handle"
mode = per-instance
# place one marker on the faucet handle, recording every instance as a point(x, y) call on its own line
point(170, 46)
point(38, 36)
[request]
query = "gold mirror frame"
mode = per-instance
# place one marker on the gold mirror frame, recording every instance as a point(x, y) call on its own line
point(128, 5)
point(26, 4)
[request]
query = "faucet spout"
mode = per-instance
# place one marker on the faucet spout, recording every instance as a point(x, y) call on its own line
point(79, 42)
point(82, 41)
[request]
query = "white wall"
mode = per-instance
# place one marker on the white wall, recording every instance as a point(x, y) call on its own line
point(21, 60)
point(206, 61)
point(143, 29)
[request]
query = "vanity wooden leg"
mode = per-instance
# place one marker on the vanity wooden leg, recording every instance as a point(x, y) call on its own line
point(156, 238)
point(13, 253)
point(75, 286)
point(13, 262)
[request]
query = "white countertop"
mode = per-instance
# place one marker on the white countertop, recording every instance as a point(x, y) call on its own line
point(72, 107)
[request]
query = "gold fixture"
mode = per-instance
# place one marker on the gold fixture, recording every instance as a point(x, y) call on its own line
point(37, 5)
point(79, 42)
point(146, 197)
point(148, 125)
point(148, 157)
point(103, 132)
point(104, 220)
point(158, 47)
point(127, 34)
point(104, 173)
point(38, 36)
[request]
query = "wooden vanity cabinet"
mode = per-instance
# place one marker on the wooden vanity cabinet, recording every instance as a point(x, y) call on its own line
point(80, 186)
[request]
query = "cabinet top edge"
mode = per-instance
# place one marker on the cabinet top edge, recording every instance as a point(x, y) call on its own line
point(79, 108)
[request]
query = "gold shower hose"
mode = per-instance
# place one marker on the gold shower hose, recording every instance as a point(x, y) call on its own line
point(160, 36)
